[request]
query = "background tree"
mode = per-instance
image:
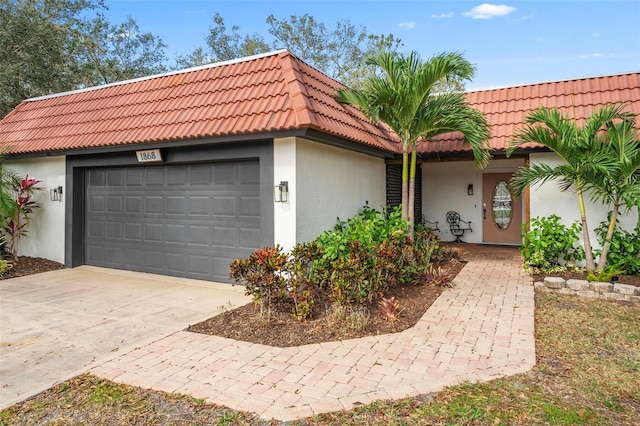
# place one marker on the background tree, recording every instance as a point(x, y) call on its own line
point(51, 46)
point(338, 51)
point(403, 97)
point(584, 155)
point(223, 45)
point(110, 53)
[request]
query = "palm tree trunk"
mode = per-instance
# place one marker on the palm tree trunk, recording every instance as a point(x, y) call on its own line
point(412, 192)
point(602, 263)
point(405, 184)
point(588, 255)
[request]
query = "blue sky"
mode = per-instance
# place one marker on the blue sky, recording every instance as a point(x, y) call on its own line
point(510, 42)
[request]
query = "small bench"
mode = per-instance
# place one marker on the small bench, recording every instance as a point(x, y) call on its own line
point(457, 226)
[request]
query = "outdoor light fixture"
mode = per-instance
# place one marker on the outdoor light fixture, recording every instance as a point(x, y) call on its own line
point(470, 189)
point(56, 194)
point(282, 192)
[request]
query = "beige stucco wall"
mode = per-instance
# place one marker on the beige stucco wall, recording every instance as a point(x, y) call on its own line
point(325, 182)
point(444, 188)
point(334, 182)
point(46, 229)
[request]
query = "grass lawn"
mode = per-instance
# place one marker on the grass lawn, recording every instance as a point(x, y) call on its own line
point(588, 372)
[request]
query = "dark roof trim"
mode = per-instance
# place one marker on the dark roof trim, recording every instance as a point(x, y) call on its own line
point(311, 134)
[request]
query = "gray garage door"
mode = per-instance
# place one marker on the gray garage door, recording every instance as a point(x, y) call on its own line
point(181, 220)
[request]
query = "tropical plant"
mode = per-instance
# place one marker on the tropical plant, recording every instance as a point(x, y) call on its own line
point(15, 226)
point(547, 244)
point(7, 205)
point(619, 186)
point(404, 97)
point(264, 276)
point(585, 157)
point(624, 250)
point(390, 308)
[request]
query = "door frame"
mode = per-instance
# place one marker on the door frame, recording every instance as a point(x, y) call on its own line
point(520, 200)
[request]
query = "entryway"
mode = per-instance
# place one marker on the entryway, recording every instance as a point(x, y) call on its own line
point(501, 211)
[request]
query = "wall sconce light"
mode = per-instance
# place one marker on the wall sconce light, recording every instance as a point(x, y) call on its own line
point(282, 192)
point(470, 189)
point(56, 194)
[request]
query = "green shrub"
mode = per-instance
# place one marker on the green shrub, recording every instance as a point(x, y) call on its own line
point(369, 228)
point(624, 252)
point(548, 244)
point(355, 263)
point(5, 265)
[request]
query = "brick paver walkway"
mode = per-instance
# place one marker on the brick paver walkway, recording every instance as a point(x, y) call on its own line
point(477, 331)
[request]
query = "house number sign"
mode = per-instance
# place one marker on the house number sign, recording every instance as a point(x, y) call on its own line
point(149, 156)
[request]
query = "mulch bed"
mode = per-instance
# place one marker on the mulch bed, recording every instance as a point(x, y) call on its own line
point(284, 330)
point(31, 265)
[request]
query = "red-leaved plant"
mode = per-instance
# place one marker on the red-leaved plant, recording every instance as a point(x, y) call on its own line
point(16, 224)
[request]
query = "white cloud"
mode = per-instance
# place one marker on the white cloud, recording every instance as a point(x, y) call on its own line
point(591, 55)
point(488, 11)
point(443, 16)
point(410, 24)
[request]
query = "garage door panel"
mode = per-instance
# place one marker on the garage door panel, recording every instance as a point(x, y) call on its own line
point(134, 177)
point(176, 234)
point(95, 228)
point(224, 174)
point(133, 204)
point(115, 177)
point(224, 205)
point(199, 205)
point(199, 235)
point(133, 231)
point(176, 262)
point(153, 204)
point(249, 237)
point(96, 204)
point(115, 204)
point(184, 220)
point(249, 206)
point(249, 175)
point(114, 230)
point(153, 232)
point(226, 236)
point(199, 264)
point(176, 204)
point(200, 175)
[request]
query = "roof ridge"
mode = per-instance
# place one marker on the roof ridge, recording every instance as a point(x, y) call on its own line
point(566, 80)
point(297, 91)
point(161, 75)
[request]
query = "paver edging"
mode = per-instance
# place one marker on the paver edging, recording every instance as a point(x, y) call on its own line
point(589, 289)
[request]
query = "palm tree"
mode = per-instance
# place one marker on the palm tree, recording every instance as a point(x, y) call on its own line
point(620, 186)
point(585, 157)
point(404, 97)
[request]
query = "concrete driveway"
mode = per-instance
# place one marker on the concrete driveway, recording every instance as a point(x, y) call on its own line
point(59, 324)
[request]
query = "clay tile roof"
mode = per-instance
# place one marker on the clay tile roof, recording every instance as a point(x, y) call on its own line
point(507, 108)
point(259, 94)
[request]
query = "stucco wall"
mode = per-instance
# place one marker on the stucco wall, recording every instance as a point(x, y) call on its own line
point(46, 229)
point(547, 199)
point(444, 188)
point(284, 214)
point(333, 182)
